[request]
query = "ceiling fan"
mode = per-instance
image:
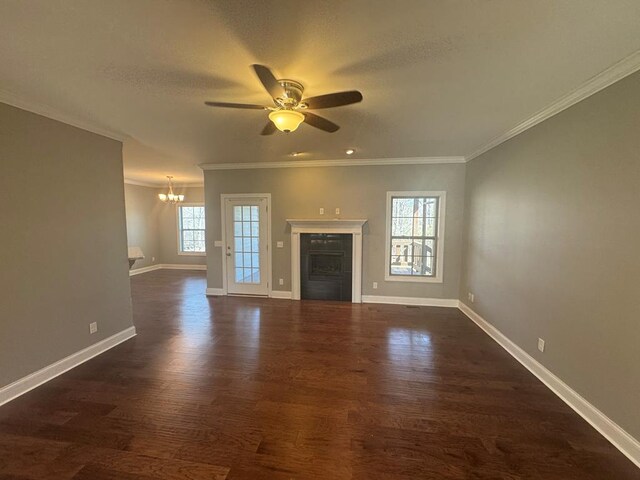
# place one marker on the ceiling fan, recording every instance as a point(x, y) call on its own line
point(290, 109)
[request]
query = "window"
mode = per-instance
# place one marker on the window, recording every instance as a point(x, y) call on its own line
point(191, 230)
point(415, 229)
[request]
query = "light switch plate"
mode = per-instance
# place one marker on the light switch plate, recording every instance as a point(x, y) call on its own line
point(217, 243)
point(321, 211)
point(337, 211)
point(280, 244)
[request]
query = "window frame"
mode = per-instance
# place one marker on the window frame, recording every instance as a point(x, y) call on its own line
point(179, 230)
point(440, 233)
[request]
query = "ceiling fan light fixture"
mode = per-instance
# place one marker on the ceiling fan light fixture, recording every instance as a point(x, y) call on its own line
point(286, 120)
point(287, 96)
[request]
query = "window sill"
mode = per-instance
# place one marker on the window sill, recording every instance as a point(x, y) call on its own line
point(193, 254)
point(398, 278)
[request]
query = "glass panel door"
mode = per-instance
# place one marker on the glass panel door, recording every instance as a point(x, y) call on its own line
point(246, 246)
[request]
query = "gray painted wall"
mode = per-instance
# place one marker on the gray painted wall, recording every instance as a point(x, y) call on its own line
point(64, 245)
point(143, 210)
point(551, 248)
point(359, 192)
point(152, 225)
point(168, 228)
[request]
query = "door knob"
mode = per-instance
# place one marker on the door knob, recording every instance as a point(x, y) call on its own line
point(228, 254)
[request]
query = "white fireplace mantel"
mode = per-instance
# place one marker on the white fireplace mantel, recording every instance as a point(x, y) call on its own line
point(351, 223)
point(336, 225)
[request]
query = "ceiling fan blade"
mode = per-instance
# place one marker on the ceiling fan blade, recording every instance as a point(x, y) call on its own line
point(269, 81)
point(334, 99)
point(320, 122)
point(236, 105)
point(269, 128)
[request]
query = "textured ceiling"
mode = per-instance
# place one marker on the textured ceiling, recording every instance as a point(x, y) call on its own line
point(439, 78)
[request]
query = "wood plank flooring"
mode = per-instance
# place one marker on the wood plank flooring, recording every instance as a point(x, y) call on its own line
point(245, 388)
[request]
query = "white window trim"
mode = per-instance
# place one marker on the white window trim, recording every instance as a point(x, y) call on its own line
point(180, 252)
point(438, 278)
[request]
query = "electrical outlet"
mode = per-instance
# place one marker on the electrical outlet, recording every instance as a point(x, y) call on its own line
point(280, 244)
point(541, 345)
point(280, 281)
point(93, 327)
point(471, 297)
point(375, 285)
point(321, 211)
point(153, 259)
point(337, 211)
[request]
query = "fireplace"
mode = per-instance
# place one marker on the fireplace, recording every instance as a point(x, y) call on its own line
point(325, 266)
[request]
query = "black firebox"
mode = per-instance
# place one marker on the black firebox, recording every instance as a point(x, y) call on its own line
point(325, 266)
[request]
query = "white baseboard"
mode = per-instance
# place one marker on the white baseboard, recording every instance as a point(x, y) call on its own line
point(150, 268)
point(168, 266)
point(216, 292)
point(35, 379)
point(433, 302)
point(424, 302)
point(280, 294)
point(182, 266)
point(274, 293)
point(620, 439)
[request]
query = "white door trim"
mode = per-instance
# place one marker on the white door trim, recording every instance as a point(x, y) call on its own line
point(223, 219)
point(354, 227)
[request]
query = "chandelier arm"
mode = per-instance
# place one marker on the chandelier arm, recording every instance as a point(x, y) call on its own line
point(171, 197)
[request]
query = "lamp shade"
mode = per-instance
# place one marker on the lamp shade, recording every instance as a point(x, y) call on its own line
point(286, 120)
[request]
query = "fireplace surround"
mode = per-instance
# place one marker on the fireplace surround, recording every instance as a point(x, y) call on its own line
point(325, 266)
point(334, 226)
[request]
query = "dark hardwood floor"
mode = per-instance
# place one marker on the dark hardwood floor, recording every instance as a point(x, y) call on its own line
point(245, 388)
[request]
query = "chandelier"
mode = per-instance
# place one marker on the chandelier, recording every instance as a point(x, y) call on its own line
point(171, 197)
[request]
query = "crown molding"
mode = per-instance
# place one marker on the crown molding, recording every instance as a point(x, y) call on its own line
point(344, 162)
point(142, 184)
point(611, 75)
point(47, 111)
point(139, 183)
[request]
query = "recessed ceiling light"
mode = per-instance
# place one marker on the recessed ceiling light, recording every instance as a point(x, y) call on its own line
point(295, 154)
point(350, 151)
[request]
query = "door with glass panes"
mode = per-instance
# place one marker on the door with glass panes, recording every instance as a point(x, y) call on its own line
point(246, 246)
